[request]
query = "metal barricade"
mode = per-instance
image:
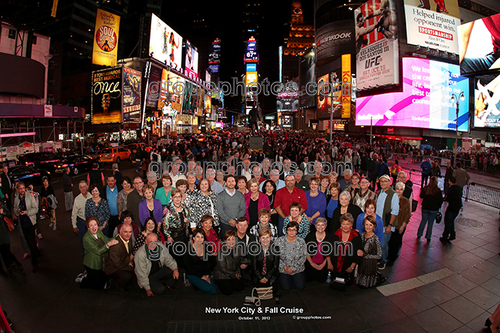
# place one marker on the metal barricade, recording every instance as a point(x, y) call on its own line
point(480, 193)
point(484, 194)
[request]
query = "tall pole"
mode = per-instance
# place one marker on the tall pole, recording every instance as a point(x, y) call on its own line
point(456, 138)
point(371, 130)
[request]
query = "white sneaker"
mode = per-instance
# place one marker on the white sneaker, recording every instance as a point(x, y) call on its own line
point(80, 277)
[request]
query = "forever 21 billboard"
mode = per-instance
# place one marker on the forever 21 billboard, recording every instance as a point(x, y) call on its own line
point(107, 96)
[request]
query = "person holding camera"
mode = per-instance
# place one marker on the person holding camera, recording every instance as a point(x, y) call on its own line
point(24, 211)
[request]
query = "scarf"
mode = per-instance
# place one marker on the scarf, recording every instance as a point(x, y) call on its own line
point(342, 249)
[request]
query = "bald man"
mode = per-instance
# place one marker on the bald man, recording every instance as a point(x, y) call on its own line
point(153, 266)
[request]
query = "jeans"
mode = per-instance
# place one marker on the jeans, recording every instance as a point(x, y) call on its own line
point(449, 223)
point(29, 234)
point(385, 247)
point(281, 223)
point(297, 280)
point(395, 244)
point(82, 229)
point(425, 180)
point(428, 217)
point(209, 288)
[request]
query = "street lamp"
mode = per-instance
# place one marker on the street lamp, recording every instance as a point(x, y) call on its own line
point(456, 100)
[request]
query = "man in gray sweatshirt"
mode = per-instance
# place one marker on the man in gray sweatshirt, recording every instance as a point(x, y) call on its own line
point(230, 206)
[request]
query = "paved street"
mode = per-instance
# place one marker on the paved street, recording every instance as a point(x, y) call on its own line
point(431, 288)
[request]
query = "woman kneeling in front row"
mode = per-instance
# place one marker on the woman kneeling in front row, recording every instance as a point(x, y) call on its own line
point(266, 263)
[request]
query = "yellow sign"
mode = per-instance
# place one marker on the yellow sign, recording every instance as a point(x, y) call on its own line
point(54, 8)
point(346, 86)
point(251, 78)
point(105, 51)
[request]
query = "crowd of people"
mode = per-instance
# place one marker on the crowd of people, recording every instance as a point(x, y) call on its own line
point(247, 223)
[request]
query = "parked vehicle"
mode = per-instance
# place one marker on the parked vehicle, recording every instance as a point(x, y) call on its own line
point(27, 174)
point(114, 154)
point(76, 163)
point(44, 160)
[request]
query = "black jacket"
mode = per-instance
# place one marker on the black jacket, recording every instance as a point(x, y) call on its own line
point(431, 202)
point(272, 264)
point(454, 197)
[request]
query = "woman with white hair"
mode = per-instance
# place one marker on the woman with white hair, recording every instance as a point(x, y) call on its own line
point(396, 240)
point(344, 207)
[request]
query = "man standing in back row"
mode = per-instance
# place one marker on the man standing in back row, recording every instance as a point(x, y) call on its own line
point(454, 199)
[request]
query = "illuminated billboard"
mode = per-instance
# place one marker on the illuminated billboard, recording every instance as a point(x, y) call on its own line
point(251, 78)
point(429, 99)
point(434, 26)
point(165, 44)
point(377, 47)
point(214, 56)
point(191, 62)
point(172, 92)
point(106, 34)
point(326, 83)
point(131, 95)
point(107, 96)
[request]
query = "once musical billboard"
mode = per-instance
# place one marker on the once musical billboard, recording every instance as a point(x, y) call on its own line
point(107, 96)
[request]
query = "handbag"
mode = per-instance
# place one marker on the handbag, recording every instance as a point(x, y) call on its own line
point(414, 204)
point(439, 217)
point(9, 223)
point(258, 295)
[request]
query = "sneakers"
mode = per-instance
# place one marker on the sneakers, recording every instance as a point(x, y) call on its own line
point(42, 217)
point(80, 277)
point(329, 277)
point(107, 285)
point(381, 266)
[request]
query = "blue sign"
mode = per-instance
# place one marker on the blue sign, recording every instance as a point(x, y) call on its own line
point(251, 67)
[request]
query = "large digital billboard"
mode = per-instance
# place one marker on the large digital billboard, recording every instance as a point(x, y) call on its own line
point(377, 47)
point(131, 95)
point(106, 34)
point(172, 92)
point(431, 91)
point(165, 44)
point(434, 26)
point(107, 96)
point(191, 62)
point(479, 57)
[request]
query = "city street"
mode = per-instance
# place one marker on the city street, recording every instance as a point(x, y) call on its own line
point(431, 288)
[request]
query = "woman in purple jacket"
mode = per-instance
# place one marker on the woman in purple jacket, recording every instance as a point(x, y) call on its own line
point(150, 207)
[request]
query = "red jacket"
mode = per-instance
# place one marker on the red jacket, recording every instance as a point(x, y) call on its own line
point(263, 203)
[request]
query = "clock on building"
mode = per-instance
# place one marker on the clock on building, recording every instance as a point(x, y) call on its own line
point(297, 11)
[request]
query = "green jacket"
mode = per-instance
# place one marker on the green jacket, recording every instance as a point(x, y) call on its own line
point(94, 249)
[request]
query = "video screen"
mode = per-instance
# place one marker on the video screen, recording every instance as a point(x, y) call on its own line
point(165, 44)
point(431, 92)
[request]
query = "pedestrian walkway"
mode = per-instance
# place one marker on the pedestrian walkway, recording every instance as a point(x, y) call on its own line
point(432, 287)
